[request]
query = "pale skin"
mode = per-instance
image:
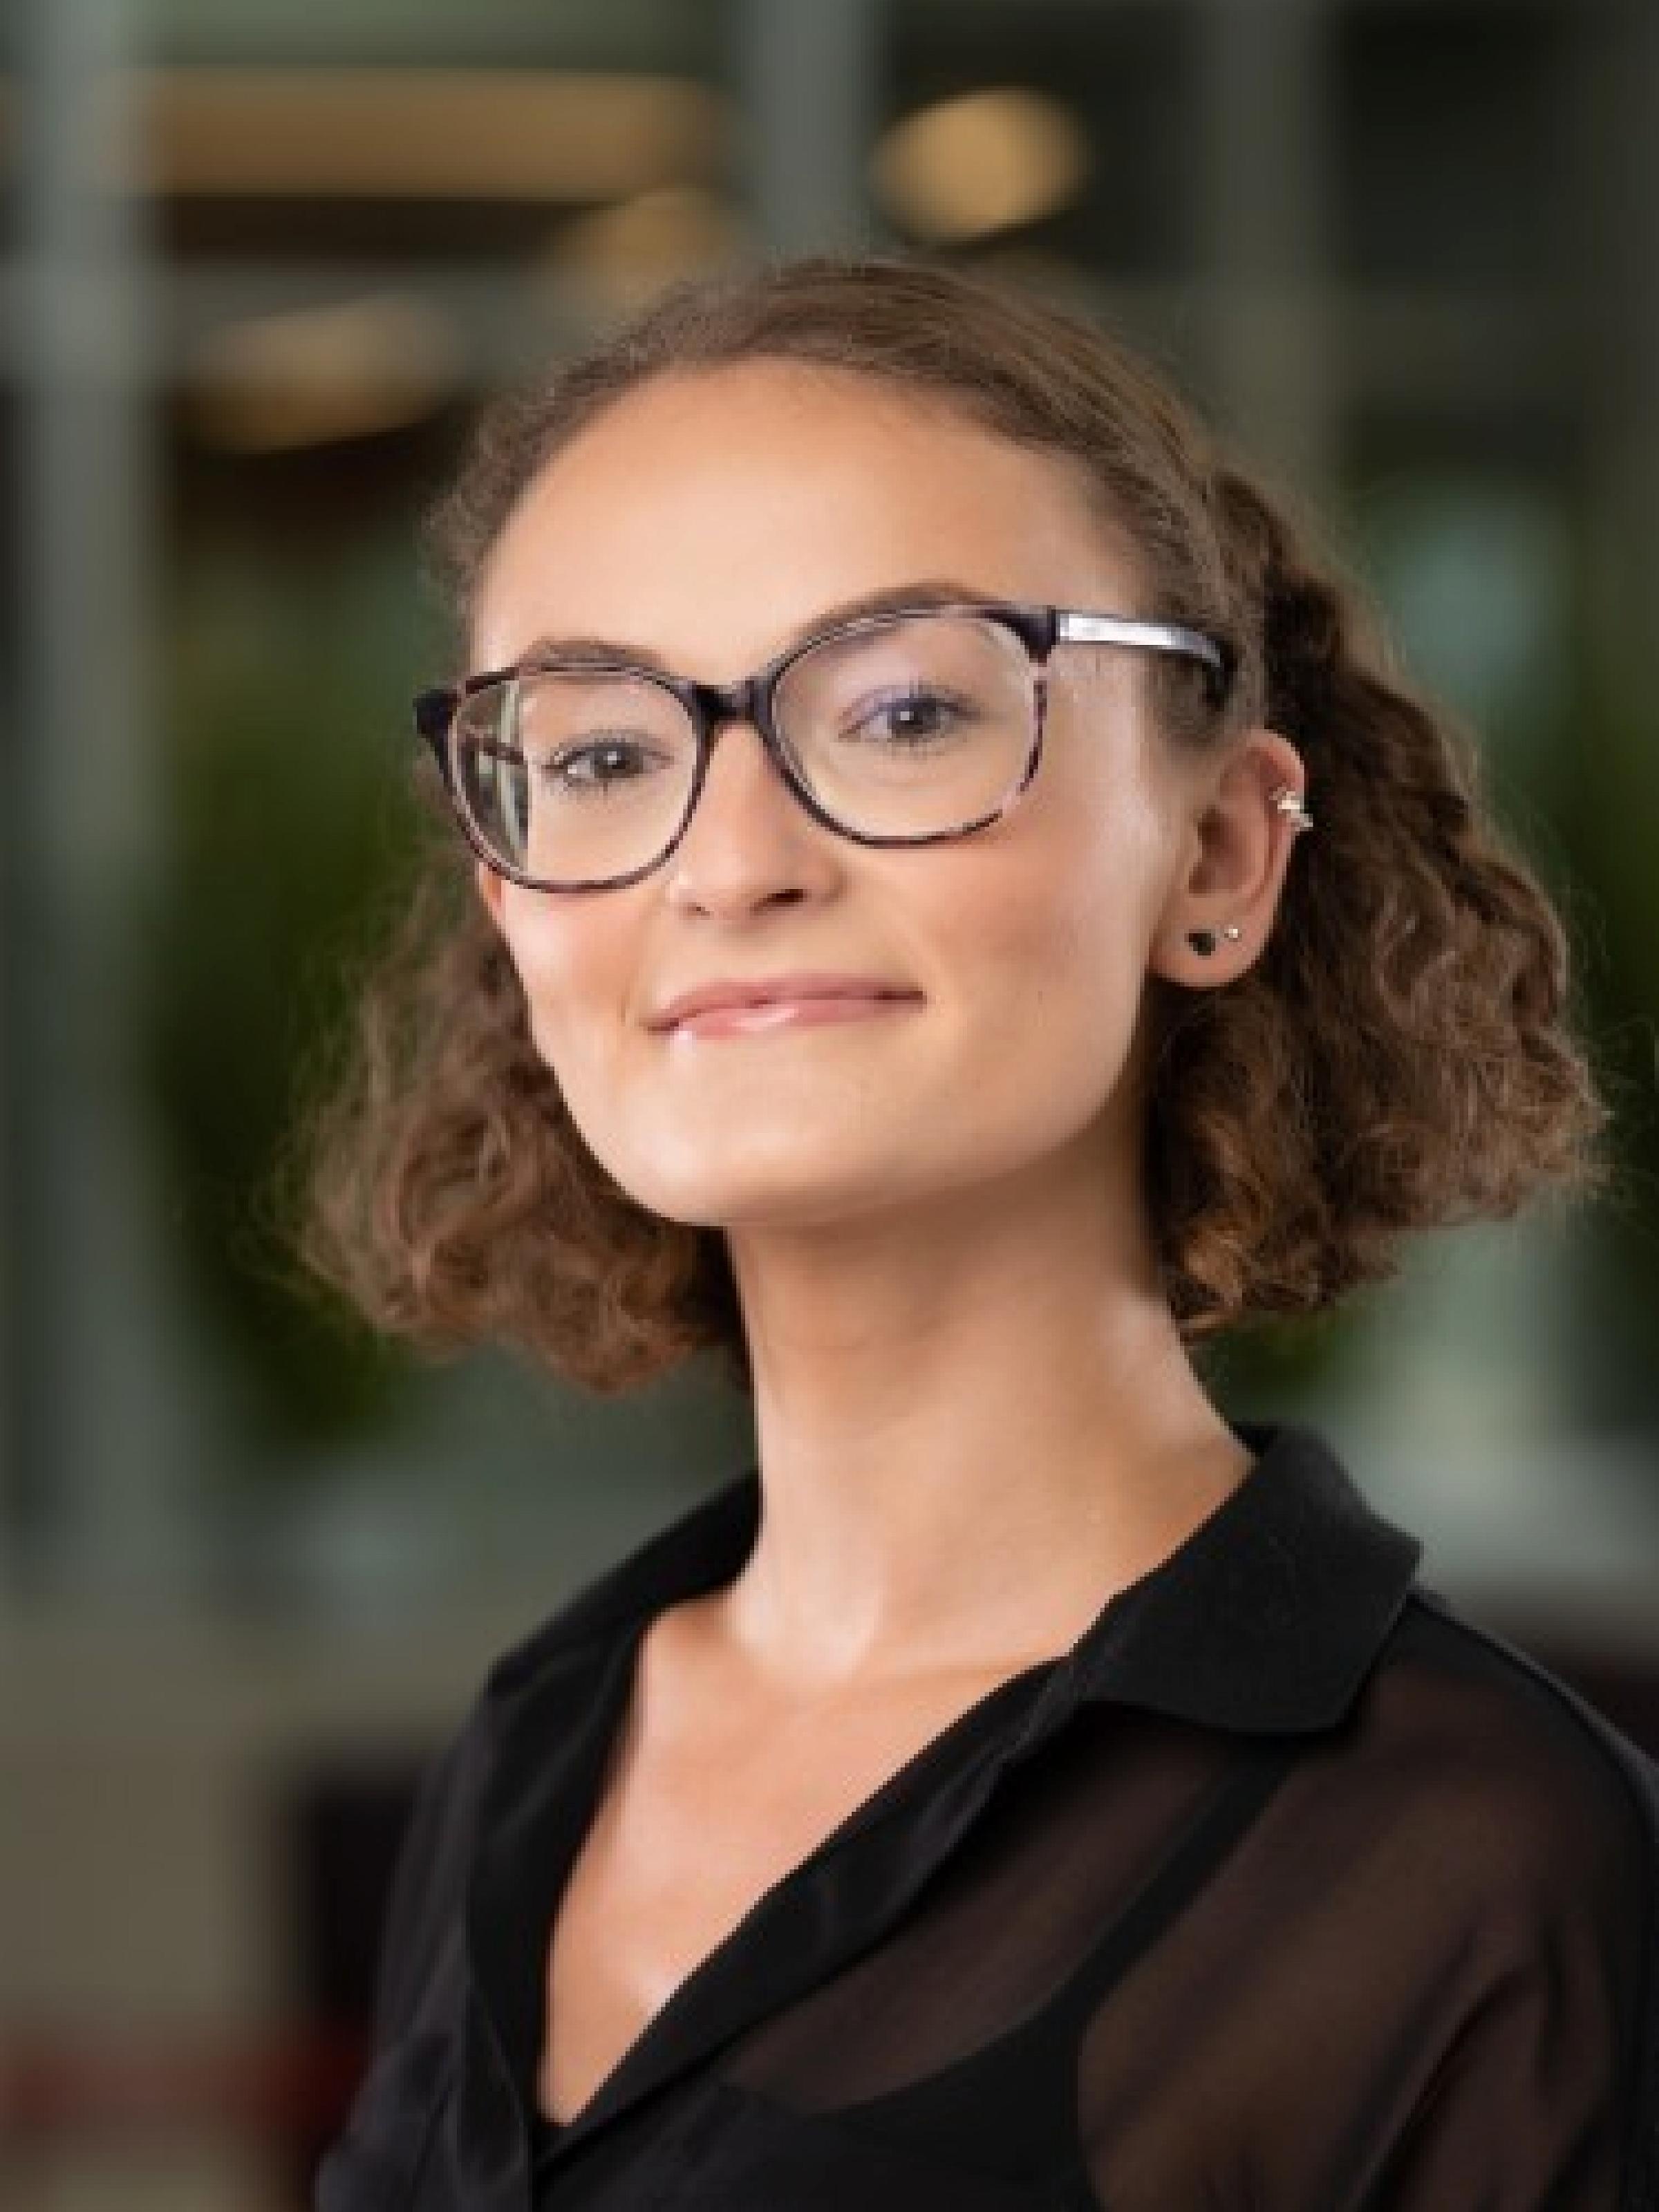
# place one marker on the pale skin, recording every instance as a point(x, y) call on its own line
point(975, 1417)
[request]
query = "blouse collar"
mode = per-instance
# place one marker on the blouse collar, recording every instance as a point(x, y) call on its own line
point(1264, 1618)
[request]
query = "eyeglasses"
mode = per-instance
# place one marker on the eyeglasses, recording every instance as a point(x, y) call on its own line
point(902, 728)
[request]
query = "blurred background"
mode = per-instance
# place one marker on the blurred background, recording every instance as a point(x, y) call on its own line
point(259, 263)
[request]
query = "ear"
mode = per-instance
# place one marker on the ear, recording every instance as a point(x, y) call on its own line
point(1235, 848)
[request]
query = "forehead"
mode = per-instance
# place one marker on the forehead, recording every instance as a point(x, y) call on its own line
point(707, 514)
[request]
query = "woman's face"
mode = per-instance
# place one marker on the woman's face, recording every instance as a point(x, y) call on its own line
point(708, 519)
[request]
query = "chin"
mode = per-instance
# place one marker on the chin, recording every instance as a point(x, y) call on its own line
point(799, 1195)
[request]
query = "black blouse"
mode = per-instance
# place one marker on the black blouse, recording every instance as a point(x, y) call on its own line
point(1285, 1888)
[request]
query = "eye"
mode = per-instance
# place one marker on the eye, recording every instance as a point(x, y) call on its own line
point(563, 768)
point(911, 719)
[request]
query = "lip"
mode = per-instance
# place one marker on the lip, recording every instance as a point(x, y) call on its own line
point(733, 992)
point(786, 1014)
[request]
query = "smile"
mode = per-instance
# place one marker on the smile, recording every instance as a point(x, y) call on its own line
point(787, 1014)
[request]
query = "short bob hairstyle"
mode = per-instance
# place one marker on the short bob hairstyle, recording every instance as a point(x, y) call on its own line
point(1398, 1058)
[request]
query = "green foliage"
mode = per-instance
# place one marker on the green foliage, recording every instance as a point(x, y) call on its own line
point(293, 831)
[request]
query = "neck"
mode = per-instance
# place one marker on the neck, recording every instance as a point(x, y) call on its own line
point(974, 1426)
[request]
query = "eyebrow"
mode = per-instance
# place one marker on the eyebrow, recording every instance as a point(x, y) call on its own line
point(926, 591)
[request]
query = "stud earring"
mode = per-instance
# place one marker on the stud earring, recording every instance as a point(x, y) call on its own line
point(1288, 800)
point(1203, 940)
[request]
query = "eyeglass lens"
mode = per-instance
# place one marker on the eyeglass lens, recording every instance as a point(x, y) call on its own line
point(912, 727)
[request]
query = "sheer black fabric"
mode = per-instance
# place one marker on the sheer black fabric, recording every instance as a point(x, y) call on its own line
point(1287, 1887)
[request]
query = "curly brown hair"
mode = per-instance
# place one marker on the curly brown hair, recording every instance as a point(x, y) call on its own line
point(1398, 1058)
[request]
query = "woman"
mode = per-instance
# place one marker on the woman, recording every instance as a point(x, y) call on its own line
point(886, 956)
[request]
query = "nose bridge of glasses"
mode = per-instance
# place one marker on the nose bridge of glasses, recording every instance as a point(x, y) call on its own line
point(719, 706)
point(719, 703)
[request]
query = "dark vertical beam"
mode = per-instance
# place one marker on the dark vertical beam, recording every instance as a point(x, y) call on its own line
point(92, 1393)
point(1268, 188)
point(811, 79)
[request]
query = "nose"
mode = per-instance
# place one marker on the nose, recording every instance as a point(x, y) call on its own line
point(749, 840)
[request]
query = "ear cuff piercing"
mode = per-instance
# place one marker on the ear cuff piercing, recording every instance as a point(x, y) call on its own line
point(1287, 800)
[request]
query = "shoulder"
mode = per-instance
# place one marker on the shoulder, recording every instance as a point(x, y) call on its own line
point(1502, 1837)
point(428, 1878)
point(1516, 1813)
point(533, 1692)
point(1503, 1744)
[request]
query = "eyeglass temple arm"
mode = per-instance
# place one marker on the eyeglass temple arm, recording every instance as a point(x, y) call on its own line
point(1161, 637)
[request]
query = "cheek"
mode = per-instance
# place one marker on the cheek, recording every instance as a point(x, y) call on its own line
point(1072, 971)
point(1068, 923)
point(1041, 958)
point(569, 971)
